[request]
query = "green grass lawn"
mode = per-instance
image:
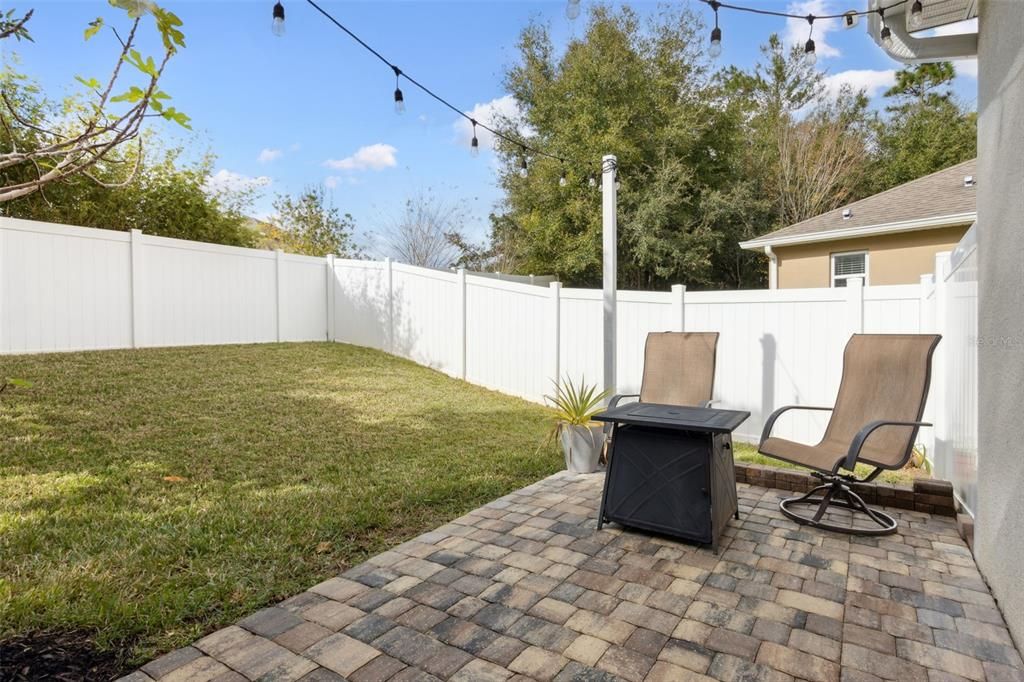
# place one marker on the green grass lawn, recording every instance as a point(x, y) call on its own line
point(744, 452)
point(151, 496)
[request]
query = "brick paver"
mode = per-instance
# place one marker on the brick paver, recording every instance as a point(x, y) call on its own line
point(525, 588)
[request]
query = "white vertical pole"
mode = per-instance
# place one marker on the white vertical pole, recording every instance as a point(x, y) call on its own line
point(330, 298)
point(389, 340)
point(679, 307)
point(462, 323)
point(855, 304)
point(773, 268)
point(940, 369)
point(278, 256)
point(555, 289)
point(609, 257)
point(136, 287)
point(926, 314)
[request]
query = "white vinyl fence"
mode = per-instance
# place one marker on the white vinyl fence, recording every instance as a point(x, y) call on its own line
point(68, 288)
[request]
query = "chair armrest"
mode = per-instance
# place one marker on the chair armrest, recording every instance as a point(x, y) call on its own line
point(770, 424)
point(708, 403)
point(862, 436)
point(612, 404)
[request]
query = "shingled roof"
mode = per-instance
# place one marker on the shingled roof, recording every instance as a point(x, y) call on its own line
point(937, 200)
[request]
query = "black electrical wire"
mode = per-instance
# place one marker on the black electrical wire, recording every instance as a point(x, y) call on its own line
point(756, 10)
point(401, 73)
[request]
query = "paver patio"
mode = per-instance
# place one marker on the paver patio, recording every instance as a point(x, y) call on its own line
point(526, 588)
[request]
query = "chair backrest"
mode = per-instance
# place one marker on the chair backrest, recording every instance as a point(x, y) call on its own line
point(885, 376)
point(679, 368)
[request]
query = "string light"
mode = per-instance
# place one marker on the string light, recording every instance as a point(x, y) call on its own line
point(277, 25)
point(716, 34)
point(885, 34)
point(592, 181)
point(474, 146)
point(810, 56)
point(916, 15)
point(523, 168)
point(400, 99)
point(562, 182)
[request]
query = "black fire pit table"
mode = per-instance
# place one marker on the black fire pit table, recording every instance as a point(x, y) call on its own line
point(670, 470)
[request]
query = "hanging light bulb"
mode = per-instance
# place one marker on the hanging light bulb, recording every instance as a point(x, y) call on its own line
point(716, 43)
point(916, 15)
point(562, 182)
point(592, 181)
point(572, 10)
point(523, 169)
point(474, 146)
point(885, 34)
point(810, 56)
point(277, 26)
point(399, 99)
point(716, 34)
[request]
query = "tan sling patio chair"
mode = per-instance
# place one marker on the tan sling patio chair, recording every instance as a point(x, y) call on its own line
point(874, 421)
point(679, 369)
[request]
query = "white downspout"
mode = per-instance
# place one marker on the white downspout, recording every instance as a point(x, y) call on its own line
point(773, 267)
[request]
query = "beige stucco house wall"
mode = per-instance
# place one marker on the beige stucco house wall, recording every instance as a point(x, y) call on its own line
point(892, 258)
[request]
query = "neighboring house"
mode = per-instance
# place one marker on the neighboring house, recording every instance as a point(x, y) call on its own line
point(888, 238)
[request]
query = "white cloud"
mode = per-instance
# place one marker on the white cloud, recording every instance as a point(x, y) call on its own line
point(229, 181)
point(294, 147)
point(871, 81)
point(371, 157)
point(964, 67)
point(331, 181)
point(497, 112)
point(267, 155)
point(797, 30)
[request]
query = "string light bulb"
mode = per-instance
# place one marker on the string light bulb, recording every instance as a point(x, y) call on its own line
point(716, 34)
point(592, 181)
point(523, 168)
point(810, 56)
point(572, 10)
point(885, 34)
point(474, 146)
point(916, 15)
point(399, 98)
point(277, 25)
point(562, 182)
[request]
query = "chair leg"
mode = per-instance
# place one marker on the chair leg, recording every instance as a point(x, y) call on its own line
point(836, 493)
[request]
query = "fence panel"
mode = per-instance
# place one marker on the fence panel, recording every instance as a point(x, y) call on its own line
point(361, 312)
point(425, 324)
point(63, 288)
point(304, 298)
point(956, 456)
point(510, 342)
point(198, 294)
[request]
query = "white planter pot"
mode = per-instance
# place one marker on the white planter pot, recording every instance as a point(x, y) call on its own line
point(582, 447)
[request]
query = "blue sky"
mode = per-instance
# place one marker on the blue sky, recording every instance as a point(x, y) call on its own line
point(313, 107)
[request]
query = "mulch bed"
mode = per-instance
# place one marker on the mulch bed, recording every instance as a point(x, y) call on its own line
point(64, 656)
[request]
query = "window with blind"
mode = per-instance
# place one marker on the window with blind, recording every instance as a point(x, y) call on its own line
point(848, 265)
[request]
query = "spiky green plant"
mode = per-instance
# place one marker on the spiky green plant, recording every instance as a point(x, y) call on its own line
point(575, 405)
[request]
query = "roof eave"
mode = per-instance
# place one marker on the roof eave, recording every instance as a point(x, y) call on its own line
point(865, 231)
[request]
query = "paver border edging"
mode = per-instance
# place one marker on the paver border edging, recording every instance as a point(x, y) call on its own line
point(925, 495)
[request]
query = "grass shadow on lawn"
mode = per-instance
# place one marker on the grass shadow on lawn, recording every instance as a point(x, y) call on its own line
point(151, 496)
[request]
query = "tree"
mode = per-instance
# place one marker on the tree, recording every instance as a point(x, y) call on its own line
point(167, 196)
point(82, 136)
point(926, 129)
point(428, 232)
point(309, 224)
point(641, 93)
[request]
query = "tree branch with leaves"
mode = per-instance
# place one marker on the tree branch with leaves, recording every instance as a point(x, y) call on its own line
point(85, 138)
